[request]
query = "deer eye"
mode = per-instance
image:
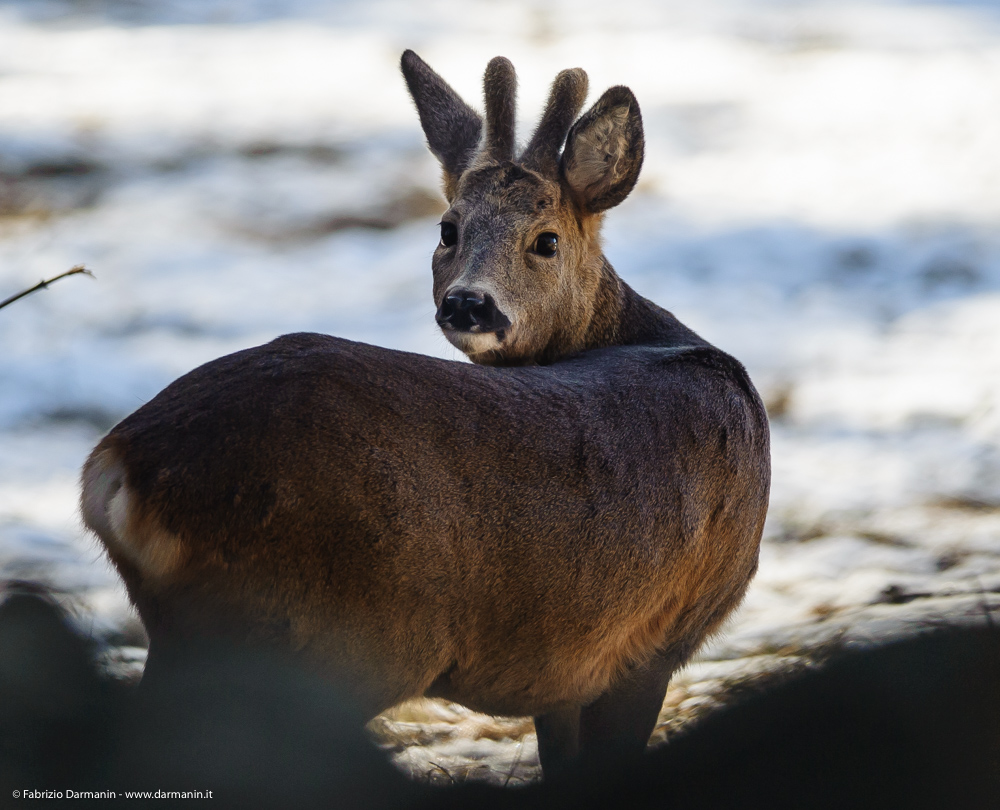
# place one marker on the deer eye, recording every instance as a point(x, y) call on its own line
point(449, 234)
point(546, 244)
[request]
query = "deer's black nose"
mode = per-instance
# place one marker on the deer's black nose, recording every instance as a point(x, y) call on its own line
point(470, 311)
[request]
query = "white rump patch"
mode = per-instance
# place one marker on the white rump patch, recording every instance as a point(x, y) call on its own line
point(112, 513)
point(117, 513)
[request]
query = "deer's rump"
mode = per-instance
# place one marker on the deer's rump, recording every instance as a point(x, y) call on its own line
point(509, 538)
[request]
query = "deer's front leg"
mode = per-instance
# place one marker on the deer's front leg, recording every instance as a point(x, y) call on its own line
point(615, 728)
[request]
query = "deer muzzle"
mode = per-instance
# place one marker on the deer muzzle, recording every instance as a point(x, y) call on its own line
point(471, 311)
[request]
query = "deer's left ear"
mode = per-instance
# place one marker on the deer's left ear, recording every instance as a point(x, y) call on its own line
point(604, 151)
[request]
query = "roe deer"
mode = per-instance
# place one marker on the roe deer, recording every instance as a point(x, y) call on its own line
point(550, 536)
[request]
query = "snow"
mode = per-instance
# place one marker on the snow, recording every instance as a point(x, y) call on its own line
point(819, 198)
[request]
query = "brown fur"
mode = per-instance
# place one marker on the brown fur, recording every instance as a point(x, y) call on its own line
point(552, 537)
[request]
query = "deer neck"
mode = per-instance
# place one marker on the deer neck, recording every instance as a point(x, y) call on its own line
point(622, 317)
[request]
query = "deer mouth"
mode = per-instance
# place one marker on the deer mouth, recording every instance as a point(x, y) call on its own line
point(474, 343)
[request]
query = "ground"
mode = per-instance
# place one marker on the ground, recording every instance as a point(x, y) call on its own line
point(819, 198)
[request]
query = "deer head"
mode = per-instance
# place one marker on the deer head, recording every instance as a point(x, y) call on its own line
point(519, 276)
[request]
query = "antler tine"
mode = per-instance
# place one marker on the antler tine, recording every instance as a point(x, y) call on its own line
point(500, 89)
point(569, 90)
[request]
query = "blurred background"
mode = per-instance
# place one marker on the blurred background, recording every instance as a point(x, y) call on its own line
point(821, 197)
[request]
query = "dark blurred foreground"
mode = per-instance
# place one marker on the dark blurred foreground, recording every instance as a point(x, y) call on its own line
point(912, 724)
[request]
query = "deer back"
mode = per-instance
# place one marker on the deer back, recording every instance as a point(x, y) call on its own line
point(387, 512)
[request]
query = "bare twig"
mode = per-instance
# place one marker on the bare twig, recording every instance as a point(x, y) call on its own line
point(517, 761)
point(443, 770)
point(41, 285)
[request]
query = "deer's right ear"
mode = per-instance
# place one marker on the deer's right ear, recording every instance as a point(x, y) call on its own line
point(452, 127)
point(604, 150)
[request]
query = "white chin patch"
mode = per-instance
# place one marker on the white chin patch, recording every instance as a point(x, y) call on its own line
point(473, 342)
